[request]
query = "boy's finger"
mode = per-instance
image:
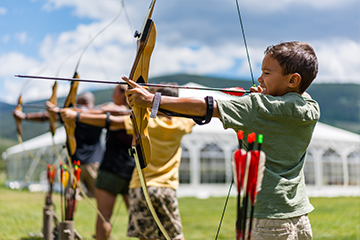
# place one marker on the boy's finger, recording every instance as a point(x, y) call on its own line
point(130, 82)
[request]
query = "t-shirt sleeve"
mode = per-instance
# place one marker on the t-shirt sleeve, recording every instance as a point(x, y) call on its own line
point(188, 125)
point(237, 113)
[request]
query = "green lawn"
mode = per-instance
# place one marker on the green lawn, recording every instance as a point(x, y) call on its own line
point(21, 213)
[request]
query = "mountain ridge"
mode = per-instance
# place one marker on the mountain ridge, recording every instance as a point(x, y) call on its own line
point(339, 103)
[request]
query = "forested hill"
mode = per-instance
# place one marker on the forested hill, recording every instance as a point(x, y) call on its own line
point(339, 103)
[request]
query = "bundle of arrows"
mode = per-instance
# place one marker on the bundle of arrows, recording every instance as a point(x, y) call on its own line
point(248, 171)
point(50, 174)
point(69, 194)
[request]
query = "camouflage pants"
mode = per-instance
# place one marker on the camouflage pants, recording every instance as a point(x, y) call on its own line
point(297, 228)
point(141, 222)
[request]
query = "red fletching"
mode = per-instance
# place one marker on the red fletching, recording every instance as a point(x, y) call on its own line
point(240, 163)
point(52, 176)
point(78, 174)
point(78, 163)
point(235, 91)
point(240, 134)
point(251, 137)
point(253, 175)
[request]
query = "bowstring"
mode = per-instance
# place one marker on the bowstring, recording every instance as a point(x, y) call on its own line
point(246, 47)
point(224, 209)
point(253, 81)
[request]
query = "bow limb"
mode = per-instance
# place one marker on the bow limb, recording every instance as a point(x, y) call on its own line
point(19, 130)
point(52, 115)
point(141, 147)
point(70, 124)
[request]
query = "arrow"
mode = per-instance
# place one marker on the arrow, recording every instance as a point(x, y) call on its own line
point(234, 91)
point(257, 168)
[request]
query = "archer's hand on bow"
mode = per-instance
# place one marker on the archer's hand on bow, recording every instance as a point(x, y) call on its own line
point(52, 108)
point(68, 114)
point(18, 114)
point(137, 95)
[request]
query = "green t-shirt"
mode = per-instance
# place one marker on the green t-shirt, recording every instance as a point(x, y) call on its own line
point(287, 123)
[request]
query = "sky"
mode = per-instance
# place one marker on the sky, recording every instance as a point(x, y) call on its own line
point(202, 37)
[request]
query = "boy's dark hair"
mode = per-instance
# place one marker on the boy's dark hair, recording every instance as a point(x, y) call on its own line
point(122, 87)
point(87, 98)
point(166, 91)
point(296, 57)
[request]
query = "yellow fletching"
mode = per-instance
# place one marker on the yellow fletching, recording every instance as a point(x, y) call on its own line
point(65, 178)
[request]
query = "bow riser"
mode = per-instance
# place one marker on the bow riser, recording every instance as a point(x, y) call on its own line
point(139, 73)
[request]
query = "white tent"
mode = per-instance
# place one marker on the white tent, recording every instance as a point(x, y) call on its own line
point(332, 166)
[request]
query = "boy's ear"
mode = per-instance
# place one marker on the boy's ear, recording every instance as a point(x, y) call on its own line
point(295, 80)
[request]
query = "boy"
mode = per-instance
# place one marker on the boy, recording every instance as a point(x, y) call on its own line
point(285, 116)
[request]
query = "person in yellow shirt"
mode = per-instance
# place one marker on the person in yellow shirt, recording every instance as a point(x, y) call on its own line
point(161, 173)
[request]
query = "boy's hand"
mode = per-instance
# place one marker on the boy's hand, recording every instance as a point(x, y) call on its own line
point(68, 114)
point(257, 89)
point(19, 114)
point(137, 95)
point(52, 108)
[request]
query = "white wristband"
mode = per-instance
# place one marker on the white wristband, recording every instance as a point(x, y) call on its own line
point(156, 105)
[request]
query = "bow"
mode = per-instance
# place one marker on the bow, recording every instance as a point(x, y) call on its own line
point(141, 147)
point(70, 125)
point(19, 130)
point(70, 101)
point(71, 98)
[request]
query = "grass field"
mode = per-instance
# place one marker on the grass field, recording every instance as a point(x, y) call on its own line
point(21, 214)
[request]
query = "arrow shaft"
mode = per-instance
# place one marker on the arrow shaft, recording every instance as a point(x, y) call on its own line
point(122, 82)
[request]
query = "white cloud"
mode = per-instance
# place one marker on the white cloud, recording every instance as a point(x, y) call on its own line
point(338, 60)
point(3, 11)
point(15, 63)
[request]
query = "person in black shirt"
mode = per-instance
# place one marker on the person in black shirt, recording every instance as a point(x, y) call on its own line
point(88, 147)
point(117, 165)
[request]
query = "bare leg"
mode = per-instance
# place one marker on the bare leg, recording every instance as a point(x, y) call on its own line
point(105, 202)
point(126, 200)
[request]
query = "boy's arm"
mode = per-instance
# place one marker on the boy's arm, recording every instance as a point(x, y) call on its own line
point(140, 97)
point(99, 120)
point(35, 116)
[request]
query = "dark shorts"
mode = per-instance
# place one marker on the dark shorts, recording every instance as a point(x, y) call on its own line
point(141, 222)
point(112, 183)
